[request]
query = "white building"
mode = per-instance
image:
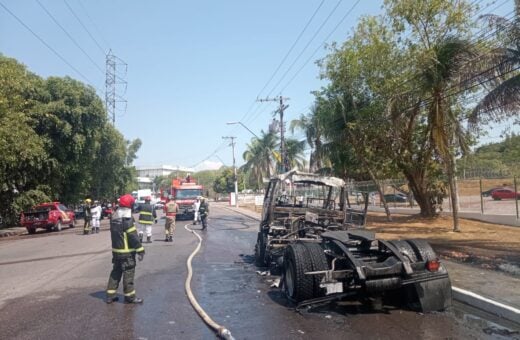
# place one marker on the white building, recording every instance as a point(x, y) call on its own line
point(146, 174)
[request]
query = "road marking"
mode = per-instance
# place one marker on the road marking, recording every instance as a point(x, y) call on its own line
point(486, 304)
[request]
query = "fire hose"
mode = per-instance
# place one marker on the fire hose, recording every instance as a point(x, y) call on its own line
point(221, 331)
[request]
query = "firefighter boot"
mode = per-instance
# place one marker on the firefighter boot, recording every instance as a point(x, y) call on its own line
point(166, 239)
point(148, 239)
point(170, 238)
point(141, 237)
point(135, 301)
point(97, 230)
point(111, 299)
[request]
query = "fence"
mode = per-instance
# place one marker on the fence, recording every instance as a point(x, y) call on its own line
point(475, 195)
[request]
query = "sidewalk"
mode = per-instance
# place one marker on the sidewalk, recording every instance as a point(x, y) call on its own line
point(487, 290)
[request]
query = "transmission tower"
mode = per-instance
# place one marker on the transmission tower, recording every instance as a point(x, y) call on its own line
point(115, 84)
point(284, 166)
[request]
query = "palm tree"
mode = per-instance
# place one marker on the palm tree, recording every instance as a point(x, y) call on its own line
point(501, 63)
point(295, 153)
point(438, 80)
point(260, 156)
point(313, 130)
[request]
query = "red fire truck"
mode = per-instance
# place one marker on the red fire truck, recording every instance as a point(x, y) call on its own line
point(185, 192)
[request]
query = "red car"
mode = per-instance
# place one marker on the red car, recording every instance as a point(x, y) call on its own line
point(504, 193)
point(50, 216)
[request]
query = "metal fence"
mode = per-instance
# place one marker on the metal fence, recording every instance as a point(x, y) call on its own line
point(475, 195)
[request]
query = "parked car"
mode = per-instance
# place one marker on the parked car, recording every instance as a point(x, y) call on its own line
point(50, 216)
point(488, 193)
point(504, 193)
point(398, 198)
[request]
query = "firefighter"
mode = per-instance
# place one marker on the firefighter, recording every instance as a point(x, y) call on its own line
point(88, 216)
point(125, 245)
point(171, 210)
point(204, 212)
point(96, 216)
point(196, 206)
point(147, 216)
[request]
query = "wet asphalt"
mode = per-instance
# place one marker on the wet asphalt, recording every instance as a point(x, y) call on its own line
point(53, 288)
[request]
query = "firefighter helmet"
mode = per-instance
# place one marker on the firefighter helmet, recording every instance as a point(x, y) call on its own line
point(126, 201)
point(88, 200)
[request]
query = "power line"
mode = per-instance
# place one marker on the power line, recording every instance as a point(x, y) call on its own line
point(84, 27)
point(321, 45)
point(47, 45)
point(70, 36)
point(316, 50)
point(248, 111)
point(306, 46)
point(94, 24)
point(291, 48)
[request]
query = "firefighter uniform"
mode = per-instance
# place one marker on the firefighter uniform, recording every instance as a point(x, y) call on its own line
point(125, 246)
point(171, 212)
point(147, 215)
point(204, 212)
point(87, 218)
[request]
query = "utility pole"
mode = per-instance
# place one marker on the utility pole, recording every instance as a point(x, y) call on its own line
point(234, 167)
point(284, 166)
point(114, 81)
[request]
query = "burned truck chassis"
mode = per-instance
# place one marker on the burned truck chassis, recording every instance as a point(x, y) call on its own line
point(324, 254)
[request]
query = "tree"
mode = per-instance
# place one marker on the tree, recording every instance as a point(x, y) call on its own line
point(260, 156)
point(500, 65)
point(225, 182)
point(295, 153)
point(313, 131)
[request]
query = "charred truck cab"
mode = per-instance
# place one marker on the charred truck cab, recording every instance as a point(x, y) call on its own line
point(309, 233)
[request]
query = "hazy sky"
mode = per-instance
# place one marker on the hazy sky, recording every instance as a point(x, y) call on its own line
point(192, 65)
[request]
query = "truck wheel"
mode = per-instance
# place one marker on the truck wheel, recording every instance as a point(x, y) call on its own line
point(58, 226)
point(31, 230)
point(298, 286)
point(423, 250)
point(406, 250)
point(319, 263)
point(261, 241)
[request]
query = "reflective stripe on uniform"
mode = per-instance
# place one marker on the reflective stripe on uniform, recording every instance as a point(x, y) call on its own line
point(145, 213)
point(125, 240)
point(123, 251)
point(145, 222)
point(131, 293)
point(111, 291)
point(139, 249)
point(129, 230)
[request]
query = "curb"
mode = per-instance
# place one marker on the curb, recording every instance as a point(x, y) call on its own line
point(485, 304)
point(465, 296)
point(11, 233)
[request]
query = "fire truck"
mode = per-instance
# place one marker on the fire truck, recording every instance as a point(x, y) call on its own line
point(185, 192)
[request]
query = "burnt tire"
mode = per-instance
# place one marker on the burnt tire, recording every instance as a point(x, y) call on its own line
point(406, 250)
point(298, 286)
point(319, 262)
point(260, 250)
point(423, 250)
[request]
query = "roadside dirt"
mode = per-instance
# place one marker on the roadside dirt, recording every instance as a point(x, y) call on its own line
point(486, 245)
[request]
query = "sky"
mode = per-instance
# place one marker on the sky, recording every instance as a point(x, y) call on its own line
point(192, 66)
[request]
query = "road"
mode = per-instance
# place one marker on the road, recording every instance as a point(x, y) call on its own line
point(53, 284)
